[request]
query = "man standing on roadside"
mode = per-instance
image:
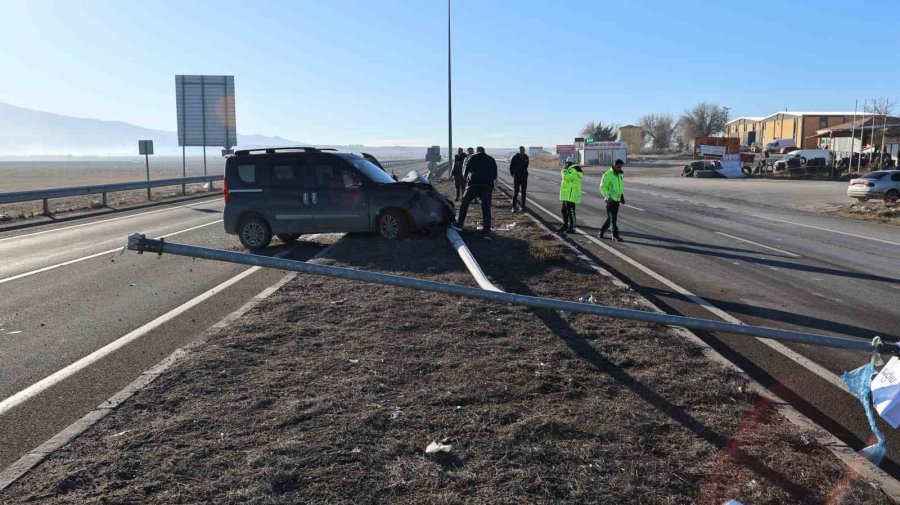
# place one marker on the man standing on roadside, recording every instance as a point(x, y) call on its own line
point(471, 152)
point(518, 168)
point(613, 191)
point(570, 193)
point(457, 173)
point(482, 171)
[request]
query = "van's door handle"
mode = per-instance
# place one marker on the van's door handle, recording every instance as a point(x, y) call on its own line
point(305, 198)
point(315, 198)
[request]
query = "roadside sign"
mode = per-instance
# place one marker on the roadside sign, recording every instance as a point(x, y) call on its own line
point(205, 107)
point(565, 148)
point(610, 144)
point(712, 150)
point(145, 147)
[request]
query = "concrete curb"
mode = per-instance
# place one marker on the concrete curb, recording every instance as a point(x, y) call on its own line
point(26, 463)
point(842, 451)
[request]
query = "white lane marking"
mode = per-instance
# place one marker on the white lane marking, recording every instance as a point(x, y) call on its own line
point(110, 220)
point(757, 244)
point(14, 332)
point(61, 375)
point(629, 206)
point(85, 258)
point(826, 229)
point(813, 367)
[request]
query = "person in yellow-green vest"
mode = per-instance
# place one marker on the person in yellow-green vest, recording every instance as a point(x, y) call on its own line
point(570, 193)
point(613, 191)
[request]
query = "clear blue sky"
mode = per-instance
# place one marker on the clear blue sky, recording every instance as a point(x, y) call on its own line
point(374, 72)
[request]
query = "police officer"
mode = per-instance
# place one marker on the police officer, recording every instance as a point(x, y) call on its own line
point(518, 169)
point(570, 193)
point(612, 189)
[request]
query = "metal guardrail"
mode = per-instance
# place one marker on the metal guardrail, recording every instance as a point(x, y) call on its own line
point(400, 163)
point(140, 243)
point(101, 189)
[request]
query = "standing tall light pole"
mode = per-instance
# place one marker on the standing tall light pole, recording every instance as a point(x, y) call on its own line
point(449, 95)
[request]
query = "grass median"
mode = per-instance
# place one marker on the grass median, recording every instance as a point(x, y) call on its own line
point(331, 390)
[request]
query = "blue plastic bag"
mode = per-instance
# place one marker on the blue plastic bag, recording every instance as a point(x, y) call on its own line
point(860, 383)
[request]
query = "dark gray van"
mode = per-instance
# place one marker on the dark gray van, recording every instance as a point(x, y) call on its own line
point(287, 192)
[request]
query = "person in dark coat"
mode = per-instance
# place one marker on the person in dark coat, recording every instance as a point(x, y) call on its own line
point(518, 168)
point(482, 170)
point(457, 173)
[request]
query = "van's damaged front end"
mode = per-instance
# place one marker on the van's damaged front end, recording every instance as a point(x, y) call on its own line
point(426, 205)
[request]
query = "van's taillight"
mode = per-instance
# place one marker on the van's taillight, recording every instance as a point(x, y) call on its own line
point(225, 190)
point(862, 183)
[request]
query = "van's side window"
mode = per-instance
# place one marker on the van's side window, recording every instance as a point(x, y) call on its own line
point(283, 175)
point(328, 176)
point(247, 173)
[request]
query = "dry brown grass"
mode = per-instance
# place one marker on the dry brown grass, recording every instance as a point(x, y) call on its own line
point(330, 390)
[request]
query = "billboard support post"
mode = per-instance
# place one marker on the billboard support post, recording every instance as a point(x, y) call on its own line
point(183, 169)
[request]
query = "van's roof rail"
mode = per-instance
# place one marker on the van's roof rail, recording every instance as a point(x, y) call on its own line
point(272, 150)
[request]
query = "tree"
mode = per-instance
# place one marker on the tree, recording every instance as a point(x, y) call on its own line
point(660, 128)
point(600, 133)
point(881, 106)
point(704, 120)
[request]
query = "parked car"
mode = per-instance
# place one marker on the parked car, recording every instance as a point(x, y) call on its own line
point(692, 168)
point(803, 158)
point(778, 144)
point(756, 147)
point(881, 184)
point(287, 192)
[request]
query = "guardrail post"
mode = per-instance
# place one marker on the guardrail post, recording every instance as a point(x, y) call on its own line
point(104, 199)
point(183, 189)
point(212, 185)
point(46, 207)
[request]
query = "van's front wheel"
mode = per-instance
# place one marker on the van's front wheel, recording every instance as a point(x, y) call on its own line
point(392, 225)
point(254, 233)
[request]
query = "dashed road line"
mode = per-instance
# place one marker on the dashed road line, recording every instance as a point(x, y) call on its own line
point(129, 216)
point(95, 255)
point(757, 244)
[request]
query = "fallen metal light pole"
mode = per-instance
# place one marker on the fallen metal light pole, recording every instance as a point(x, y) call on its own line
point(466, 256)
point(138, 242)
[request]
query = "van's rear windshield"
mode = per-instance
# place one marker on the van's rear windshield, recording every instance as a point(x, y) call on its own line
point(873, 175)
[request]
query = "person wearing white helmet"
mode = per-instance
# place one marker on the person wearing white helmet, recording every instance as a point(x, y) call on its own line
point(570, 193)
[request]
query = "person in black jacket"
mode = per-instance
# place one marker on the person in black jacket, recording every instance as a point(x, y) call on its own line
point(518, 169)
point(482, 171)
point(457, 172)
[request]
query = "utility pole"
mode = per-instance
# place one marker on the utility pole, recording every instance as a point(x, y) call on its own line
point(727, 110)
point(449, 95)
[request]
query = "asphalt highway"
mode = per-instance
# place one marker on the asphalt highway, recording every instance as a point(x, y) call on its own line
point(66, 293)
point(731, 257)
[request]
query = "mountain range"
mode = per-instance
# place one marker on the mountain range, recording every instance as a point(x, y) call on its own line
point(29, 132)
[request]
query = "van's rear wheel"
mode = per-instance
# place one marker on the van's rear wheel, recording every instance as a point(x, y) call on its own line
point(254, 233)
point(288, 238)
point(892, 196)
point(392, 225)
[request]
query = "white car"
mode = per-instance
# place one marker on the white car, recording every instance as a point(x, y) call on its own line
point(879, 184)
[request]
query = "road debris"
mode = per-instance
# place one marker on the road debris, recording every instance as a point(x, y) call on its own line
point(435, 447)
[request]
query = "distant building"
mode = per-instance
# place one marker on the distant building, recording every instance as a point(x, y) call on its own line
point(800, 126)
point(744, 128)
point(633, 136)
